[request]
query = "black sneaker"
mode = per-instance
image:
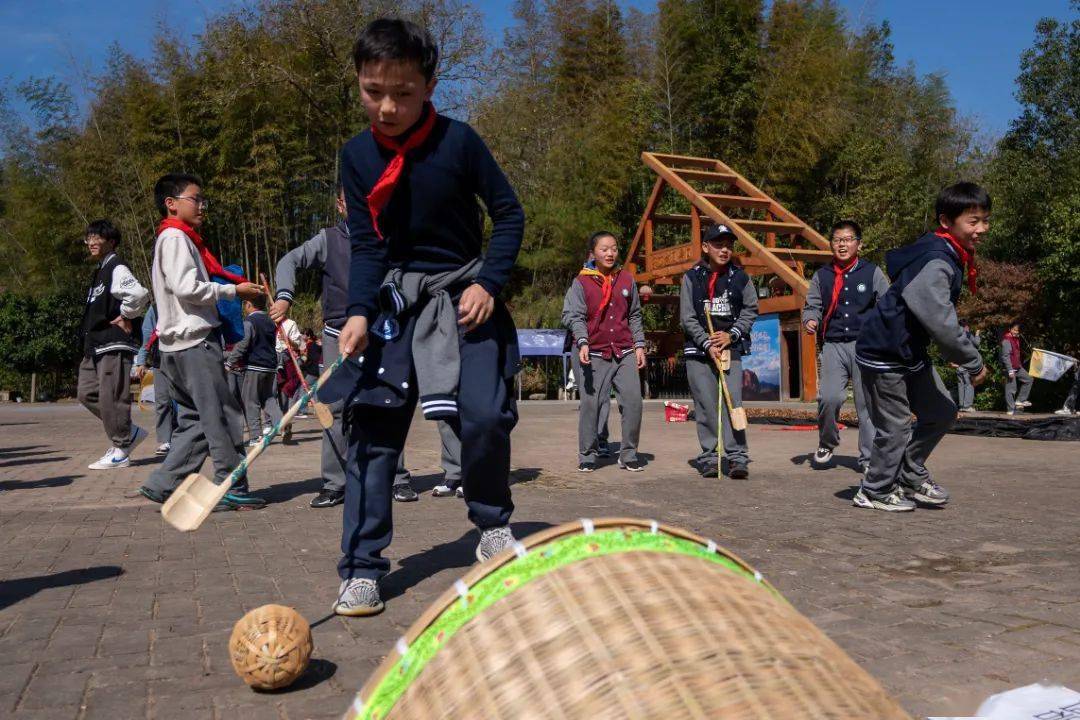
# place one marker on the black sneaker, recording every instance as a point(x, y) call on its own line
point(154, 495)
point(631, 465)
point(405, 493)
point(738, 471)
point(929, 493)
point(328, 498)
point(709, 470)
point(892, 501)
point(823, 456)
point(604, 451)
point(586, 467)
point(243, 500)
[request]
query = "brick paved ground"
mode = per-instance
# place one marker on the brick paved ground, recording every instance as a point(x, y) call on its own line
point(105, 612)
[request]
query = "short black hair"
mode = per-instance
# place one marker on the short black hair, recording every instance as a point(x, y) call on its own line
point(396, 39)
point(595, 238)
point(104, 230)
point(172, 185)
point(258, 302)
point(954, 200)
point(846, 225)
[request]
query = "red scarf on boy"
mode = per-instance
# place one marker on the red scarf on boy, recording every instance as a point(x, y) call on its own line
point(837, 286)
point(384, 187)
point(213, 267)
point(967, 259)
point(211, 263)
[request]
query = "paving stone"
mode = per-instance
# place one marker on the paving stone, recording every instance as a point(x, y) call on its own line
point(944, 607)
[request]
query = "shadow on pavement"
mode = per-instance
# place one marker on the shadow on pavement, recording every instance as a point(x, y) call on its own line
point(459, 553)
point(43, 483)
point(32, 461)
point(13, 591)
point(284, 492)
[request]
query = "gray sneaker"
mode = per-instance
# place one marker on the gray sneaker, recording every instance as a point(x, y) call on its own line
point(894, 501)
point(493, 541)
point(929, 493)
point(358, 597)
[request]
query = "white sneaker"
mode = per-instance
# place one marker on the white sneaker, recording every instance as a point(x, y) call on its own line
point(163, 449)
point(822, 456)
point(113, 458)
point(1024, 404)
point(442, 491)
point(137, 436)
point(268, 429)
point(1063, 411)
point(1010, 412)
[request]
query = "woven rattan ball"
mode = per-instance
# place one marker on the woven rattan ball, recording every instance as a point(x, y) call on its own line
point(270, 647)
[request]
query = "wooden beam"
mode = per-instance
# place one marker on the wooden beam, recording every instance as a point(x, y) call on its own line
point(703, 175)
point(775, 208)
point(792, 278)
point(723, 201)
point(808, 365)
point(783, 228)
point(672, 219)
point(802, 255)
point(700, 162)
point(650, 206)
point(695, 226)
point(779, 304)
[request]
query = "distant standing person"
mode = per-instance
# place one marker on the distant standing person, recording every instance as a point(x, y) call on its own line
point(1070, 407)
point(965, 389)
point(164, 408)
point(1014, 366)
point(111, 333)
point(718, 287)
point(602, 310)
point(255, 352)
point(839, 297)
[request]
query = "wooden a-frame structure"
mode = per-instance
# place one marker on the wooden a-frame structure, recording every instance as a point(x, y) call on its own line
point(775, 241)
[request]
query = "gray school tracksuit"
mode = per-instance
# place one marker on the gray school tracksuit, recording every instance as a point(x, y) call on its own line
point(897, 376)
point(965, 389)
point(255, 353)
point(1014, 376)
point(734, 309)
point(164, 408)
point(209, 418)
point(863, 284)
point(611, 364)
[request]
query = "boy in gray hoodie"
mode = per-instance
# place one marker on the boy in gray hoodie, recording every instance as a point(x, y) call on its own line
point(898, 378)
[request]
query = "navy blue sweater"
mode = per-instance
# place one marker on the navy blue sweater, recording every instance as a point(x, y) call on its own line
point(433, 222)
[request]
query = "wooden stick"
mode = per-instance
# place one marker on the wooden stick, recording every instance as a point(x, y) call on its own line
point(322, 413)
point(723, 365)
point(195, 499)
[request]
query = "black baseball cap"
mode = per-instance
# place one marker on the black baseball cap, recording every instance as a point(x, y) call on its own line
point(716, 232)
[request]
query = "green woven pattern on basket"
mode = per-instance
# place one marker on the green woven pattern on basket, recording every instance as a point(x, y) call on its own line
point(508, 578)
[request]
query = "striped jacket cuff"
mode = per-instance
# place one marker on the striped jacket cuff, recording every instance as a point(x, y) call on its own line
point(439, 407)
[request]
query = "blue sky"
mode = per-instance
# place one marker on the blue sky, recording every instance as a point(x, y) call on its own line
point(975, 44)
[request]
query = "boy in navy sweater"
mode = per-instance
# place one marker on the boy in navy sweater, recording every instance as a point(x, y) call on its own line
point(897, 375)
point(838, 299)
point(418, 279)
point(255, 354)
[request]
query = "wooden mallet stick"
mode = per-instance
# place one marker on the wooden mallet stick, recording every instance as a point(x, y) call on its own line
point(737, 414)
point(195, 499)
point(322, 413)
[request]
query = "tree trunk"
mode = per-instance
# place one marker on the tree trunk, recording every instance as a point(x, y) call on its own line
point(33, 387)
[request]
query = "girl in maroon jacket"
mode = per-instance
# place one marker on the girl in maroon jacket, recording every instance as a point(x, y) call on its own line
point(603, 312)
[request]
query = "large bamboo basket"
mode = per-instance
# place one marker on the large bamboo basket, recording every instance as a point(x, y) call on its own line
point(617, 618)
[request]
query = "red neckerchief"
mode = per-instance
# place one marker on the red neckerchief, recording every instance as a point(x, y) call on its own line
point(712, 283)
point(838, 285)
point(967, 259)
point(213, 267)
point(384, 187)
point(1014, 350)
point(607, 285)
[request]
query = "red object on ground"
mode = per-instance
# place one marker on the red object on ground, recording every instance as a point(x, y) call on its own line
point(674, 412)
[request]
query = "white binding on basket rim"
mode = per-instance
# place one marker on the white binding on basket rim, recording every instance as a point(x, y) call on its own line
point(462, 589)
point(758, 576)
point(358, 704)
point(654, 527)
point(588, 526)
point(711, 546)
point(401, 646)
point(520, 550)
